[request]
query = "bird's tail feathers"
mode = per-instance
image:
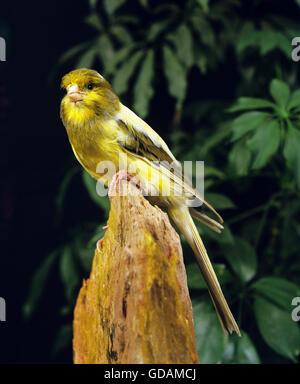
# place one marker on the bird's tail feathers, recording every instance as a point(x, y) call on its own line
point(185, 224)
point(209, 222)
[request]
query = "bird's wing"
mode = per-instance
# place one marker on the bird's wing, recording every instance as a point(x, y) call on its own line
point(143, 138)
point(143, 142)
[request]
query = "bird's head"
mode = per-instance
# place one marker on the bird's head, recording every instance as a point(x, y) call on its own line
point(88, 97)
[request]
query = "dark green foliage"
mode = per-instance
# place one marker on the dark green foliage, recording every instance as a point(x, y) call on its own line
point(249, 137)
point(207, 329)
point(240, 350)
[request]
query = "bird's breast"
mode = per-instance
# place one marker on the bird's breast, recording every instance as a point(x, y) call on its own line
point(94, 144)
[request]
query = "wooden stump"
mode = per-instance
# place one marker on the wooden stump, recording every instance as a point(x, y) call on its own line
point(135, 307)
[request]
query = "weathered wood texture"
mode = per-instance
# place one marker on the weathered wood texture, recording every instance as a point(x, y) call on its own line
point(135, 307)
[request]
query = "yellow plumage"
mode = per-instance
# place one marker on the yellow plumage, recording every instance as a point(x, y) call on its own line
point(100, 128)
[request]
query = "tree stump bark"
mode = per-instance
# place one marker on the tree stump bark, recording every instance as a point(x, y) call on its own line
point(135, 306)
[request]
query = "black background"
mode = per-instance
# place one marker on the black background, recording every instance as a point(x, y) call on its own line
point(34, 154)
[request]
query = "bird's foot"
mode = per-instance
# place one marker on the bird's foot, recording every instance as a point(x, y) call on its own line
point(118, 177)
point(99, 242)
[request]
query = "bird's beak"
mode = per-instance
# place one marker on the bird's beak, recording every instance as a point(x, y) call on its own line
point(74, 93)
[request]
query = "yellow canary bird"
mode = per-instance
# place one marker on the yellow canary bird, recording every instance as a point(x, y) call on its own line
point(101, 129)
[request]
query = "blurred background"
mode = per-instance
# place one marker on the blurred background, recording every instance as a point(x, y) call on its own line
point(217, 80)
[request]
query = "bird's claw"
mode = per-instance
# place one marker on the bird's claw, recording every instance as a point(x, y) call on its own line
point(99, 242)
point(119, 176)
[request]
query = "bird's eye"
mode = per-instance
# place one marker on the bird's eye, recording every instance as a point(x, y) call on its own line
point(90, 86)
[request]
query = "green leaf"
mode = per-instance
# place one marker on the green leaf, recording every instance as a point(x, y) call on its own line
point(276, 290)
point(183, 41)
point(204, 31)
point(240, 350)
point(196, 281)
point(125, 72)
point(63, 339)
point(202, 64)
point(175, 74)
point(156, 29)
point(84, 239)
point(144, 3)
point(291, 151)
point(240, 158)
point(280, 92)
point(247, 37)
point(264, 143)
point(213, 172)
point(87, 59)
point(90, 245)
point(64, 186)
point(69, 273)
point(267, 41)
point(121, 33)
point(210, 339)
point(242, 258)
point(93, 3)
point(105, 51)
point(121, 55)
point(70, 53)
point(247, 122)
point(244, 103)
point(214, 140)
point(219, 201)
point(225, 237)
point(277, 328)
point(204, 4)
point(91, 186)
point(284, 43)
point(38, 283)
point(143, 89)
point(294, 100)
point(94, 21)
point(112, 5)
